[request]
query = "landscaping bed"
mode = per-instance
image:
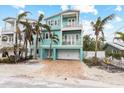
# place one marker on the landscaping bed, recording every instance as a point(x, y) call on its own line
point(103, 66)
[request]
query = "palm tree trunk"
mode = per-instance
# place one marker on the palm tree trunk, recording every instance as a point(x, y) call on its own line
point(36, 46)
point(25, 49)
point(15, 48)
point(96, 46)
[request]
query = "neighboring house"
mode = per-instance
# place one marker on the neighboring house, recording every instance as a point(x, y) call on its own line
point(69, 30)
point(9, 30)
point(115, 47)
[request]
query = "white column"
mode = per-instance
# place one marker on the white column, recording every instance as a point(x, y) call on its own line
point(5, 26)
point(61, 31)
point(14, 30)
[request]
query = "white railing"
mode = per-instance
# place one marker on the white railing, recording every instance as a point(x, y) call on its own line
point(72, 25)
point(6, 44)
point(7, 30)
point(70, 43)
point(90, 54)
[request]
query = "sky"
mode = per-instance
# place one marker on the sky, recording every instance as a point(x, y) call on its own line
point(88, 13)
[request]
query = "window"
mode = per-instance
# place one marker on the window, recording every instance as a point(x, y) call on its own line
point(55, 22)
point(77, 36)
point(39, 39)
point(43, 35)
point(58, 22)
point(37, 51)
point(72, 20)
point(69, 20)
point(46, 36)
point(51, 22)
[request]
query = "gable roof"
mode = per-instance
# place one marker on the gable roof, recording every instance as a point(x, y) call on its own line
point(5, 19)
point(62, 13)
point(116, 45)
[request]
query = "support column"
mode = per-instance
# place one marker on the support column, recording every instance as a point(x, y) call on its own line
point(54, 54)
point(41, 53)
point(81, 54)
point(14, 35)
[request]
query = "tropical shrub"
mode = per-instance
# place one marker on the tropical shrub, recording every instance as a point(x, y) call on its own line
point(115, 55)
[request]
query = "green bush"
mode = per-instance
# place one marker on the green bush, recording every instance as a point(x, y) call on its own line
point(30, 57)
point(115, 55)
point(5, 60)
point(92, 62)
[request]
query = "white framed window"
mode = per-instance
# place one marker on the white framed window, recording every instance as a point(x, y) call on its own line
point(46, 35)
point(56, 22)
point(77, 36)
point(49, 22)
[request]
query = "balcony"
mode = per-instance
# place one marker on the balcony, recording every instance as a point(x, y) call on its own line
point(7, 30)
point(71, 26)
point(71, 43)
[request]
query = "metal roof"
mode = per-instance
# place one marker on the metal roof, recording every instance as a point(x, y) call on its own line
point(62, 13)
point(116, 45)
point(12, 18)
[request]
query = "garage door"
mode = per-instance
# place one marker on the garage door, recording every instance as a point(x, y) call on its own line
point(68, 54)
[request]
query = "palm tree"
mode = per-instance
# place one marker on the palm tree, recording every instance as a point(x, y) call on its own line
point(28, 35)
point(53, 39)
point(101, 43)
point(86, 42)
point(120, 36)
point(18, 33)
point(98, 27)
point(38, 32)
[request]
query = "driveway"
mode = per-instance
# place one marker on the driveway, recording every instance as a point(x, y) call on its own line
point(34, 75)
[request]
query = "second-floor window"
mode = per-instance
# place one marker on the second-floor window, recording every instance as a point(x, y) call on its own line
point(53, 22)
point(46, 35)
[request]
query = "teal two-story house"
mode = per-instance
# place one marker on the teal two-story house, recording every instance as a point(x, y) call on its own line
point(70, 33)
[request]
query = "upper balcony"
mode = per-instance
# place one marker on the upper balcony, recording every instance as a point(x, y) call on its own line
point(7, 30)
point(71, 26)
point(70, 21)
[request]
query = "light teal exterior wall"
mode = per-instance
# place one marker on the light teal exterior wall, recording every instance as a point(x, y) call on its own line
point(56, 29)
point(47, 41)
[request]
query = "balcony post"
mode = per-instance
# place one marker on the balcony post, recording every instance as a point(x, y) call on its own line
point(54, 54)
point(5, 26)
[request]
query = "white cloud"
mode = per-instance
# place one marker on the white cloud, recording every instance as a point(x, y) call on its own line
point(87, 28)
point(108, 26)
point(64, 7)
point(118, 8)
point(21, 11)
point(19, 6)
point(118, 19)
point(86, 9)
point(40, 12)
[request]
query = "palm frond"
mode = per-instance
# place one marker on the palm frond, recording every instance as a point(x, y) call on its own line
point(22, 15)
point(41, 16)
point(120, 36)
point(105, 20)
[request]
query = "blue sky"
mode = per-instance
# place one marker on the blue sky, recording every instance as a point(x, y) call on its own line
point(88, 13)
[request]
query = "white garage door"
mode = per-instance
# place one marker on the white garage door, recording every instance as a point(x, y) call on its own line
point(68, 54)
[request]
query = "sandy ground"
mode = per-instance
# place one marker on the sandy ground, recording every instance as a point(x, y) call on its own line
point(58, 74)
